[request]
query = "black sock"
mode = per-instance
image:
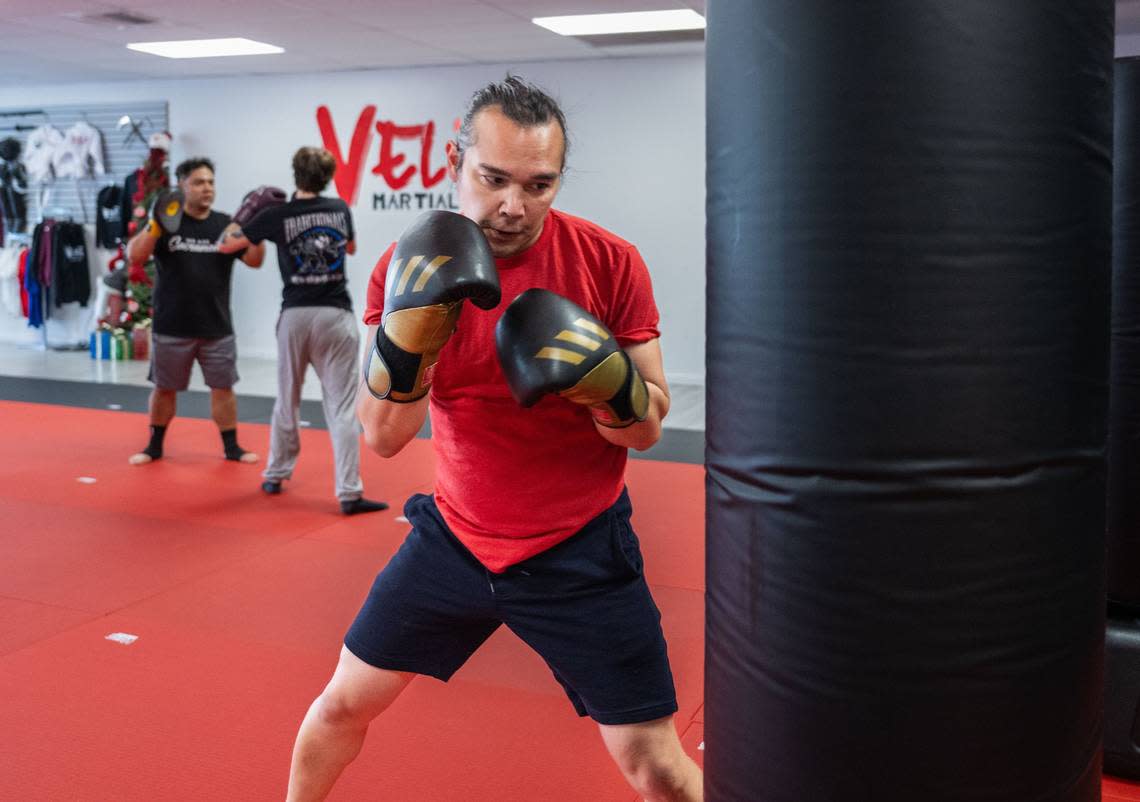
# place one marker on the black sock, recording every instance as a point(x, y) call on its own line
point(229, 442)
point(358, 505)
point(154, 447)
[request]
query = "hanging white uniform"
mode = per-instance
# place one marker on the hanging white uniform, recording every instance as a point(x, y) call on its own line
point(80, 155)
point(10, 280)
point(39, 151)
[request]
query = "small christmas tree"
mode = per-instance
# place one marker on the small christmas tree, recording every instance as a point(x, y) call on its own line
point(150, 178)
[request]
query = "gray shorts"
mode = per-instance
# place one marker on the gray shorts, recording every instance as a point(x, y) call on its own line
point(172, 359)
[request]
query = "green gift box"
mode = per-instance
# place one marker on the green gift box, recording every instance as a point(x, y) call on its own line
point(121, 345)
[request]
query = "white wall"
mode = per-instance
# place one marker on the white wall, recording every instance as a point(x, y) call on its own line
point(636, 166)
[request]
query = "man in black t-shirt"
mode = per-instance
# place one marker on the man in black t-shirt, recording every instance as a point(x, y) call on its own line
point(314, 236)
point(192, 311)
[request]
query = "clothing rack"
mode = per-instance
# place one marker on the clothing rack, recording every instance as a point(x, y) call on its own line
point(60, 213)
point(17, 238)
point(25, 239)
point(123, 126)
point(57, 214)
point(18, 127)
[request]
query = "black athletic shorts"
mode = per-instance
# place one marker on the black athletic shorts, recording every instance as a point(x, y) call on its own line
point(583, 606)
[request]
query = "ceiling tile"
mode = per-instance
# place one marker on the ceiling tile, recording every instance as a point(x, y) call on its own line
point(364, 48)
point(649, 50)
point(334, 35)
point(79, 30)
point(496, 47)
point(19, 8)
point(418, 15)
point(551, 8)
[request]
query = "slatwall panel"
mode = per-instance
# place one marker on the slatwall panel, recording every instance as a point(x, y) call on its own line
point(121, 155)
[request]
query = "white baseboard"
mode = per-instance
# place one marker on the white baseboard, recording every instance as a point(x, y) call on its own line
point(687, 402)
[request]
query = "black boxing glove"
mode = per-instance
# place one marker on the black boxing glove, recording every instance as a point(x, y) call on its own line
point(440, 261)
point(548, 344)
point(260, 199)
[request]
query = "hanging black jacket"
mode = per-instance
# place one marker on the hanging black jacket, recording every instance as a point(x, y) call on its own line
point(70, 274)
point(13, 195)
point(109, 217)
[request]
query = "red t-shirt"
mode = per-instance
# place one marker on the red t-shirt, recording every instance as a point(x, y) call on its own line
point(513, 482)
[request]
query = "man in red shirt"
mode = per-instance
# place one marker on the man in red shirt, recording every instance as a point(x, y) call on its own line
point(529, 521)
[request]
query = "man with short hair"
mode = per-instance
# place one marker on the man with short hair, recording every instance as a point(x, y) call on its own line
point(192, 319)
point(529, 522)
point(314, 235)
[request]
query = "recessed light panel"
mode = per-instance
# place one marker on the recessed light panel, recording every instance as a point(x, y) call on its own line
point(206, 48)
point(633, 22)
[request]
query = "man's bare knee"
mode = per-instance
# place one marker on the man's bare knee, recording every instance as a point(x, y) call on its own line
point(664, 779)
point(653, 772)
point(652, 760)
point(358, 693)
point(334, 710)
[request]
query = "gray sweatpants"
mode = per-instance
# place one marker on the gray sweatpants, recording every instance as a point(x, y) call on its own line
point(326, 338)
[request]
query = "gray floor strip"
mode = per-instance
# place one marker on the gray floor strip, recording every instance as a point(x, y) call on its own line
point(676, 445)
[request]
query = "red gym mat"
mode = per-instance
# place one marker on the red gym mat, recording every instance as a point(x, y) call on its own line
point(1120, 790)
point(239, 602)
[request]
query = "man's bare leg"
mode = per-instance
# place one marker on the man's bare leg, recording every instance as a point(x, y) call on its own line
point(334, 728)
point(650, 756)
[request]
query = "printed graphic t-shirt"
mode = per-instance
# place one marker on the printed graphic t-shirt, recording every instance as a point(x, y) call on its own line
point(192, 290)
point(311, 235)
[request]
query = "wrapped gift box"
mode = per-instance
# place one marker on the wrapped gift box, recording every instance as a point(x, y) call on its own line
point(100, 344)
point(104, 344)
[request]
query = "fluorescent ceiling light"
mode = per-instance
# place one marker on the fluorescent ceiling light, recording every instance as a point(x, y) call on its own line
point(635, 22)
point(206, 48)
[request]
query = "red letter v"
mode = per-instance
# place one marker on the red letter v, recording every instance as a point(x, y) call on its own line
point(348, 172)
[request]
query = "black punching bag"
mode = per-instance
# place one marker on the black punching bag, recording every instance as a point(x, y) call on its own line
point(909, 212)
point(1122, 695)
point(1124, 373)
